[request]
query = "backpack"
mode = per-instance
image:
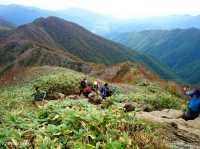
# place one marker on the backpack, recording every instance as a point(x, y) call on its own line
point(87, 90)
point(38, 96)
point(105, 91)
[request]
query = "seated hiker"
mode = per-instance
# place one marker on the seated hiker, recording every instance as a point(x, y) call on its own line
point(39, 97)
point(193, 106)
point(83, 84)
point(105, 91)
point(86, 91)
point(96, 85)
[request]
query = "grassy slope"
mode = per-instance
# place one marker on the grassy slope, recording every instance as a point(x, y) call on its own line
point(77, 123)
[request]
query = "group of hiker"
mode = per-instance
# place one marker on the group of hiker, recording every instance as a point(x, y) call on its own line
point(193, 105)
point(102, 90)
point(85, 89)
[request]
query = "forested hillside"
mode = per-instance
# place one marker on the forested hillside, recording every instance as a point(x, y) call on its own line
point(179, 49)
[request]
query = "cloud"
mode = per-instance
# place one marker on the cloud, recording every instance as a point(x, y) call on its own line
point(119, 8)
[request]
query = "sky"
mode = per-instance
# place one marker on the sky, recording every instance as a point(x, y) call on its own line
point(119, 8)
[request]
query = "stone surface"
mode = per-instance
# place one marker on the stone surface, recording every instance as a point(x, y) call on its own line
point(185, 134)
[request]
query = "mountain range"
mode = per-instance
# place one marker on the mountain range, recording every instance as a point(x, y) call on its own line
point(157, 23)
point(98, 23)
point(179, 49)
point(55, 41)
point(151, 36)
point(5, 25)
point(95, 22)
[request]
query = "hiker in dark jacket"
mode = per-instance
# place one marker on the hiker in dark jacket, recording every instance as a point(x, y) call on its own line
point(193, 106)
point(105, 91)
point(39, 97)
point(83, 84)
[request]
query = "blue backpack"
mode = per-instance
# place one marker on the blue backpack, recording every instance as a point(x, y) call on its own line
point(194, 103)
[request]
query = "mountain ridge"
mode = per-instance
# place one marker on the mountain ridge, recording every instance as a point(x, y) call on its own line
point(65, 36)
point(98, 23)
point(178, 48)
point(5, 25)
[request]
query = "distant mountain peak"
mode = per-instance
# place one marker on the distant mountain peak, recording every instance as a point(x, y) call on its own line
point(41, 19)
point(53, 19)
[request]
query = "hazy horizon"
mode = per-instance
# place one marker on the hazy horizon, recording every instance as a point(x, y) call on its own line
point(120, 8)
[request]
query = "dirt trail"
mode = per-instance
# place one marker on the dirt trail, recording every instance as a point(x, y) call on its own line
point(182, 134)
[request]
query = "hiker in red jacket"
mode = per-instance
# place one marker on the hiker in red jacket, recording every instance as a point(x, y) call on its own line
point(86, 91)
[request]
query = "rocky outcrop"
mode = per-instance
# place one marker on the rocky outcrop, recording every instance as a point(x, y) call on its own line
point(182, 134)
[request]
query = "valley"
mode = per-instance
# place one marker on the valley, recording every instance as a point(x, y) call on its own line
point(178, 49)
point(146, 62)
